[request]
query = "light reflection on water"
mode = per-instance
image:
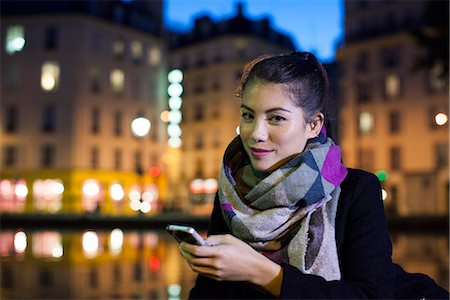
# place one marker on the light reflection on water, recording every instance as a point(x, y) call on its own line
point(120, 264)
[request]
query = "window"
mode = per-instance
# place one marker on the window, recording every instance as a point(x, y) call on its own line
point(362, 62)
point(117, 159)
point(198, 112)
point(47, 156)
point(13, 76)
point(199, 141)
point(390, 56)
point(137, 274)
point(199, 172)
point(95, 80)
point(48, 118)
point(395, 158)
point(45, 278)
point(15, 39)
point(118, 123)
point(94, 157)
point(117, 80)
point(363, 91)
point(366, 159)
point(392, 86)
point(154, 56)
point(366, 123)
point(136, 51)
point(10, 156)
point(138, 162)
point(50, 74)
point(93, 278)
point(51, 38)
point(119, 49)
point(11, 119)
point(441, 154)
point(394, 122)
point(95, 120)
point(437, 81)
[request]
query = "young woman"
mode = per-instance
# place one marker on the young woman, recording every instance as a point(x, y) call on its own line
point(289, 220)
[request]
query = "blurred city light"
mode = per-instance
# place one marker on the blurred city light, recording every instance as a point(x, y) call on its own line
point(116, 241)
point(90, 243)
point(117, 192)
point(175, 76)
point(20, 242)
point(140, 127)
point(441, 119)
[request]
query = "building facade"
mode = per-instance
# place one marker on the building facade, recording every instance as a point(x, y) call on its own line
point(393, 118)
point(211, 57)
point(74, 76)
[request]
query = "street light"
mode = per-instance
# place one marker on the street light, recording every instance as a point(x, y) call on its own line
point(140, 127)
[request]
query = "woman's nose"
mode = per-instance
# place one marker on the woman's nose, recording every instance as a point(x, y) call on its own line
point(259, 131)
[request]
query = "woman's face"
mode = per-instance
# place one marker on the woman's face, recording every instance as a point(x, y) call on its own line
point(273, 130)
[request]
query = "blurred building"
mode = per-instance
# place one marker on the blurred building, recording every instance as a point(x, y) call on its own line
point(394, 117)
point(211, 57)
point(74, 75)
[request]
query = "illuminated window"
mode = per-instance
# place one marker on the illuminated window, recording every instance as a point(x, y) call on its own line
point(92, 193)
point(366, 123)
point(154, 56)
point(50, 74)
point(47, 195)
point(117, 79)
point(13, 195)
point(436, 79)
point(47, 244)
point(136, 51)
point(392, 86)
point(15, 39)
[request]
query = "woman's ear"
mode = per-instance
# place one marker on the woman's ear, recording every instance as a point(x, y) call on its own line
point(315, 125)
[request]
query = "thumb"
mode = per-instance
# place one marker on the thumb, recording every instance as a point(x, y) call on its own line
point(217, 239)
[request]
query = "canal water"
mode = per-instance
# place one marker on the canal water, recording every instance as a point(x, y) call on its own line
point(125, 264)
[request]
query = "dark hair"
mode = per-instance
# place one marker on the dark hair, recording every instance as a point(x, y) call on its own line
point(305, 79)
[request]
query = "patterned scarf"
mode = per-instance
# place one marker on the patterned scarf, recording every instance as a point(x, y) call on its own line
point(288, 215)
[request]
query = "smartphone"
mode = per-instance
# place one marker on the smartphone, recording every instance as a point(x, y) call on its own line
point(186, 234)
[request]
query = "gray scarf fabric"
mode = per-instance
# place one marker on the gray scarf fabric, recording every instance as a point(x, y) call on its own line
point(288, 215)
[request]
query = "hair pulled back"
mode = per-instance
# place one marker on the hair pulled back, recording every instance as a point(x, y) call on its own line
point(304, 78)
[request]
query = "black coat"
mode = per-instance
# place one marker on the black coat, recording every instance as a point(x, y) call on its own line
point(364, 250)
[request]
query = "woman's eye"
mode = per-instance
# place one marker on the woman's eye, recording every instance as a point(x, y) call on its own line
point(277, 119)
point(246, 116)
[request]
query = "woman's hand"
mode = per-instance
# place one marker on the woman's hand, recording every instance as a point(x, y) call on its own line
point(232, 259)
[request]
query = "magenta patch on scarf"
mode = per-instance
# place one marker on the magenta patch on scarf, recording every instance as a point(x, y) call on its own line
point(227, 207)
point(333, 170)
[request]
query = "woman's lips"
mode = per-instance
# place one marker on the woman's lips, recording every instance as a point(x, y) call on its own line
point(259, 153)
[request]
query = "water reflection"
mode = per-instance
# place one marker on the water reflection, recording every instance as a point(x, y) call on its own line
point(121, 264)
point(92, 265)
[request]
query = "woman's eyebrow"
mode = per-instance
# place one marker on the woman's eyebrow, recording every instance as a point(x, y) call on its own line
point(267, 111)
